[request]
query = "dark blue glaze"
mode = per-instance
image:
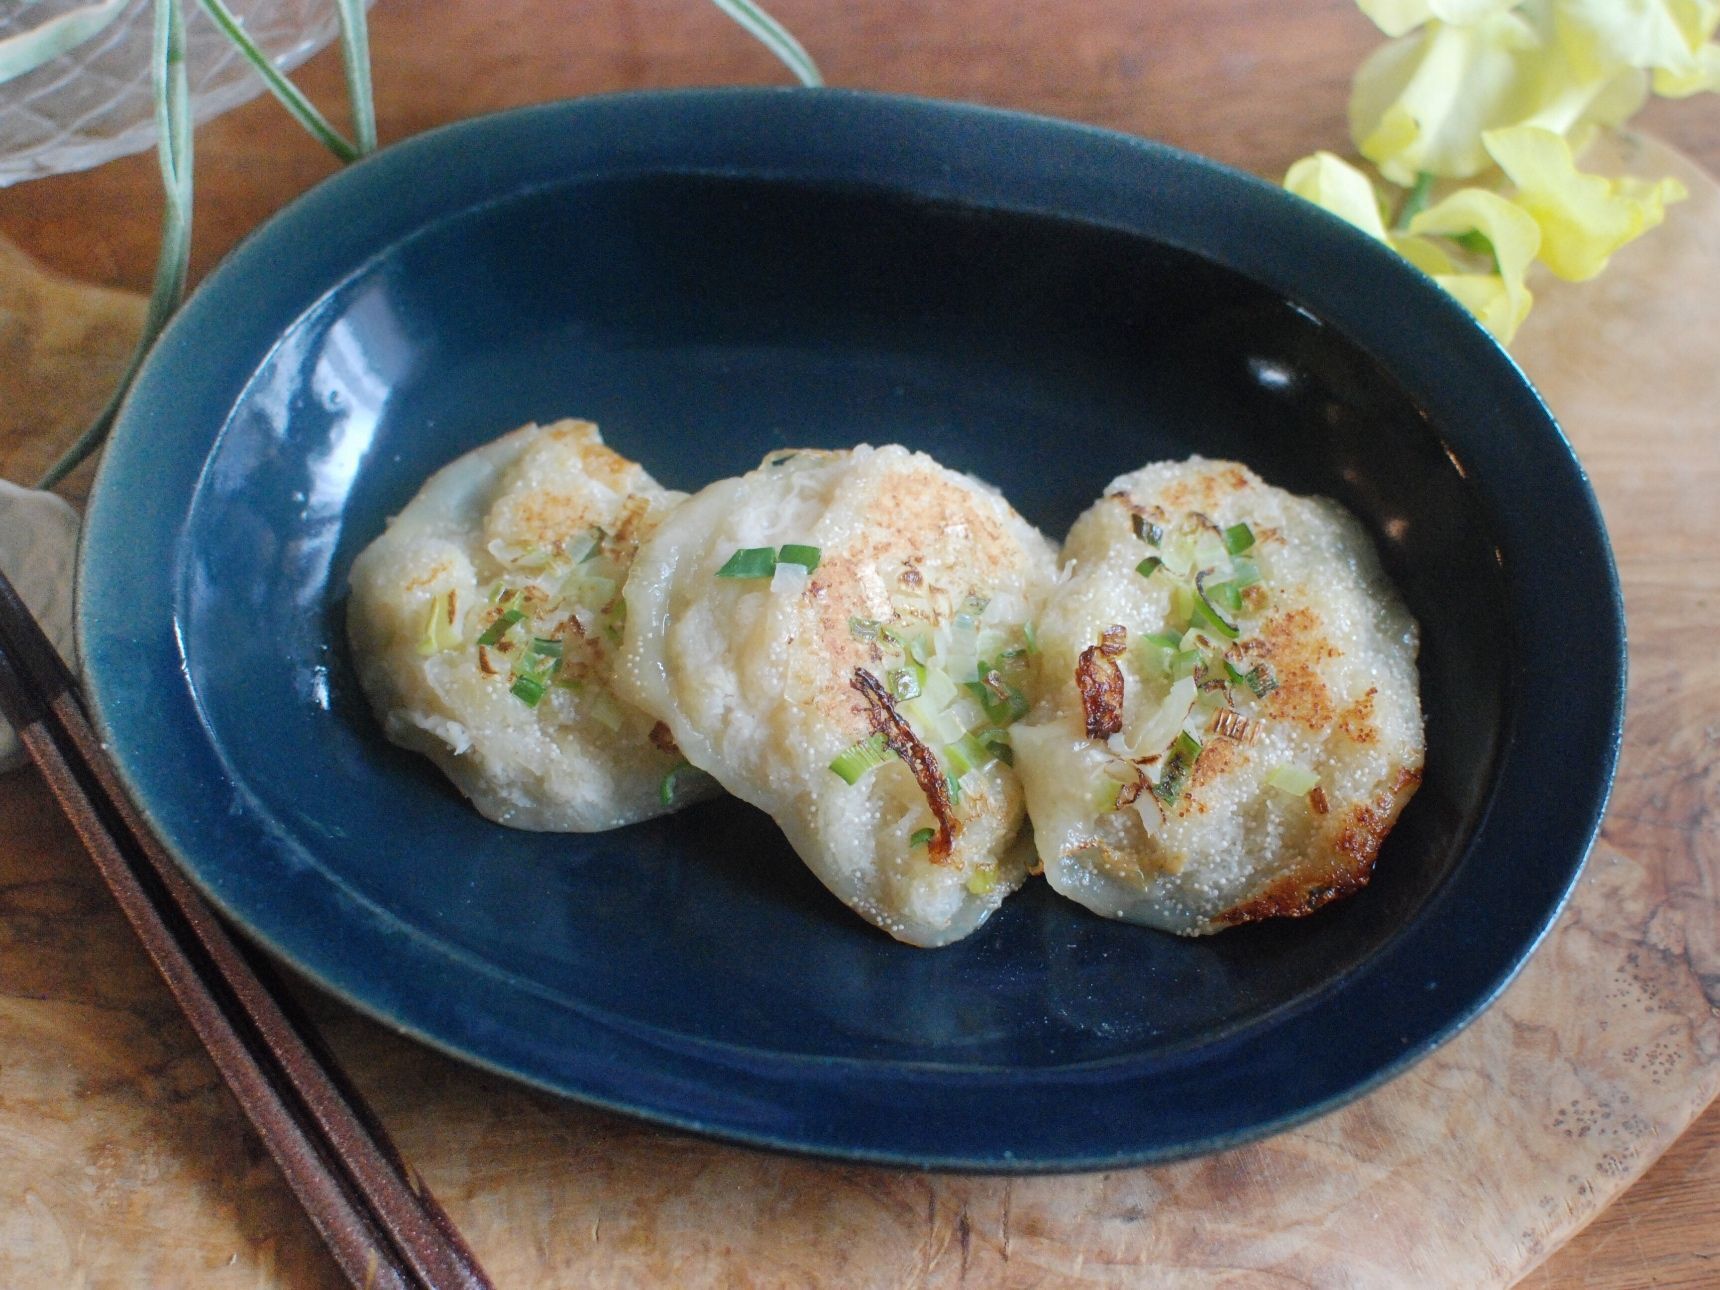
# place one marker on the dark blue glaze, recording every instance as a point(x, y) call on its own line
point(714, 275)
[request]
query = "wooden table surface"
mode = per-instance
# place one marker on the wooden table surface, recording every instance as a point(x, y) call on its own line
point(1254, 83)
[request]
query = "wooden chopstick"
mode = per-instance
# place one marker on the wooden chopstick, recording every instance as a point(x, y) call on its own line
point(380, 1222)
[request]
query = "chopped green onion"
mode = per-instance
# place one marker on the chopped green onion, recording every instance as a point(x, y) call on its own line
point(441, 632)
point(1293, 780)
point(1228, 595)
point(967, 753)
point(1031, 637)
point(1172, 781)
point(1148, 567)
point(666, 790)
point(1182, 604)
point(1238, 538)
point(955, 788)
point(981, 881)
point(750, 562)
point(1205, 609)
point(805, 556)
point(1107, 795)
point(1258, 678)
point(1186, 746)
point(545, 647)
point(920, 837)
point(863, 629)
point(997, 743)
point(919, 649)
point(596, 548)
point(1150, 533)
point(529, 689)
point(1183, 663)
point(1243, 573)
point(853, 762)
point(904, 682)
point(500, 628)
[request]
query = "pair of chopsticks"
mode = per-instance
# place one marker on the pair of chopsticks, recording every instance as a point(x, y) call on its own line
point(382, 1225)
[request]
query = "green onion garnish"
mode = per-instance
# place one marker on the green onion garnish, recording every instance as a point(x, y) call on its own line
point(545, 647)
point(805, 556)
point(1186, 746)
point(498, 629)
point(1293, 780)
point(920, 837)
point(965, 754)
point(1163, 640)
point(853, 762)
point(1243, 573)
point(596, 548)
point(1228, 595)
point(1148, 567)
point(1238, 538)
point(750, 562)
point(441, 632)
point(666, 790)
point(1171, 783)
point(904, 683)
point(863, 629)
point(528, 689)
point(981, 881)
point(1205, 609)
point(1150, 533)
point(1031, 637)
point(1258, 678)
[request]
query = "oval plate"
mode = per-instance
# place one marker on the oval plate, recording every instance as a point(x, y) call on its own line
point(715, 275)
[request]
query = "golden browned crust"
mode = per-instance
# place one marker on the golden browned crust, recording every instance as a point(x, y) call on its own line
point(1342, 865)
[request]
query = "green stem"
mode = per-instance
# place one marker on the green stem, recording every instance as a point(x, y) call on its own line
point(355, 58)
point(775, 37)
point(1417, 200)
point(301, 108)
point(173, 150)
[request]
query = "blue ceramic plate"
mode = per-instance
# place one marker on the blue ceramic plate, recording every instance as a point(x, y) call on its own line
point(714, 275)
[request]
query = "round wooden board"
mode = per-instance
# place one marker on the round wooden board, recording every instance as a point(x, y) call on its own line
point(122, 1162)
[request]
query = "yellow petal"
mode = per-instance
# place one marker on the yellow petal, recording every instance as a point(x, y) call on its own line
point(1490, 298)
point(1426, 254)
point(1333, 183)
point(1583, 218)
point(1421, 103)
point(1515, 238)
point(1663, 36)
point(1395, 17)
point(1704, 76)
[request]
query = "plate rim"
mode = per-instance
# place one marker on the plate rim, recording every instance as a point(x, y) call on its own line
point(1068, 162)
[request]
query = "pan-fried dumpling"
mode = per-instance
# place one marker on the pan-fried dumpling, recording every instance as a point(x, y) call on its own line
point(484, 625)
point(840, 639)
point(1229, 720)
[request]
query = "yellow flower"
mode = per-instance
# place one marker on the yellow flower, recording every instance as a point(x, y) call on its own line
point(1333, 183)
point(1668, 37)
point(1500, 299)
point(1423, 103)
point(1395, 17)
point(1583, 218)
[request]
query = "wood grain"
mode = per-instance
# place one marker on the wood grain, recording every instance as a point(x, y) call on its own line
point(122, 1163)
